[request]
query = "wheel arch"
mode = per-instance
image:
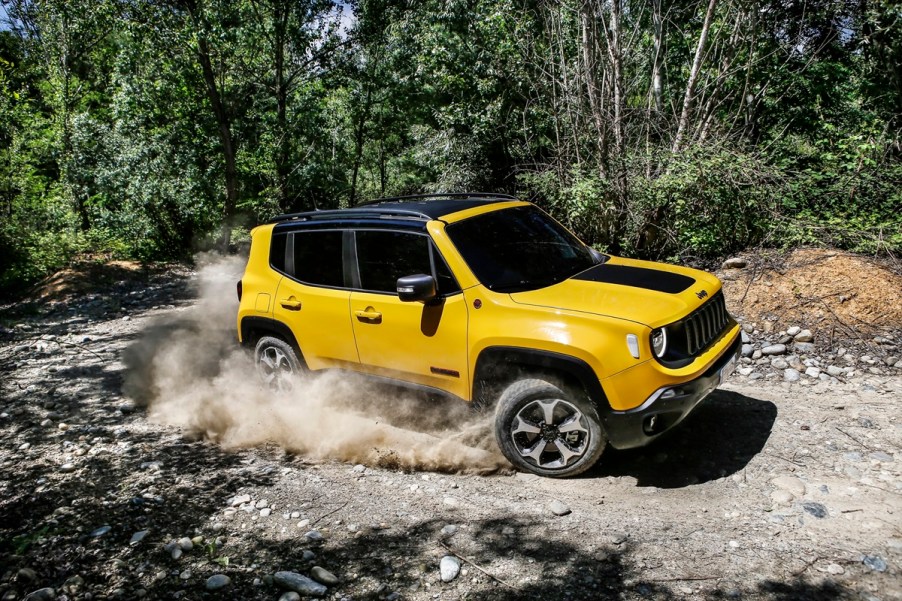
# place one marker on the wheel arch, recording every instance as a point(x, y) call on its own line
point(254, 328)
point(498, 366)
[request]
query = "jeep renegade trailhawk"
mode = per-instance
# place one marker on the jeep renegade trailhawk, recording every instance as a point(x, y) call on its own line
point(486, 298)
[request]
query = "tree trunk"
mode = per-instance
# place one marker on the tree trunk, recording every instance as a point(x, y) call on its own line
point(689, 98)
point(359, 135)
point(225, 137)
point(596, 103)
point(280, 26)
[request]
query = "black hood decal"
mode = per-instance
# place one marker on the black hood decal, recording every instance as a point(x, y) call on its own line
point(637, 277)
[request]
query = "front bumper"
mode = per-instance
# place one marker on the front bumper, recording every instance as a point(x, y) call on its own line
point(667, 406)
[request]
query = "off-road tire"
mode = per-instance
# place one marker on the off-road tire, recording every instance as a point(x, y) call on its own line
point(277, 363)
point(521, 426)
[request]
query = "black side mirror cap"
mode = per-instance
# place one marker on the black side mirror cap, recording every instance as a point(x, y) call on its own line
point(419, 287)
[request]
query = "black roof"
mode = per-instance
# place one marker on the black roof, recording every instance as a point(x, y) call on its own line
point(421, 207)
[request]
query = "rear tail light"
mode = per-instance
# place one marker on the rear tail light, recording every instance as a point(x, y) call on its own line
point(239, 290)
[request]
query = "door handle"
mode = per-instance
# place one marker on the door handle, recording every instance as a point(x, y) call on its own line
point(291, 303)
point(369, 315)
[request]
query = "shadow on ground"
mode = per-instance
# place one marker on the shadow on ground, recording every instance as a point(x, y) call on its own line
point(718, 439)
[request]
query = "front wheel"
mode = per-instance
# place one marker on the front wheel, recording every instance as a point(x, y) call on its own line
point(543, 429)
point(277, 363)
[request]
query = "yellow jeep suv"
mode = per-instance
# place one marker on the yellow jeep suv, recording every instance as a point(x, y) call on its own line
point(485, 298)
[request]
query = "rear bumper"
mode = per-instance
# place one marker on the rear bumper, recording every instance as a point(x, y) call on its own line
point(667, 406)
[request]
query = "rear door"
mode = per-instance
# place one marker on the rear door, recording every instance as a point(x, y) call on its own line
point(313, 300)
point(425, 343)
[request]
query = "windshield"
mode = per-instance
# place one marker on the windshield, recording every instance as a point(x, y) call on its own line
point(519, 249)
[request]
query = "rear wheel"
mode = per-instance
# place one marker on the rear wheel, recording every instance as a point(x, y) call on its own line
point(547, 430)
point(277, 363)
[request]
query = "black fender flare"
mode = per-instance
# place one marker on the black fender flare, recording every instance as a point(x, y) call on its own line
point(253, 328)
point(496, 361)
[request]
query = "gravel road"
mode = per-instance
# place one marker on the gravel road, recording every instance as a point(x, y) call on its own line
point(770, 490)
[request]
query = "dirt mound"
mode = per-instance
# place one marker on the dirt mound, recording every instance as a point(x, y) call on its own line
point(87, 277)
point(836, 294)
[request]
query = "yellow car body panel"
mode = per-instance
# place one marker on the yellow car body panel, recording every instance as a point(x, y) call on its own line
point(419, 342)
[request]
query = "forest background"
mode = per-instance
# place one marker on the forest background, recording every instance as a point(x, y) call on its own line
point(685, 130)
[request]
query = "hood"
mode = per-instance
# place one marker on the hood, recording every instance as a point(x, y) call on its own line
point(653, 294)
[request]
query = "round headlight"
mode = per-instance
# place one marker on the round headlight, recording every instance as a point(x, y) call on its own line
point(659, 342)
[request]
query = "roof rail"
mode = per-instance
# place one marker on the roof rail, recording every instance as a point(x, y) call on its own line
point(448, 195)
point(326, 214)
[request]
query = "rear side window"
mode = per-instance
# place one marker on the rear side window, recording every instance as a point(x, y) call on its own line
point(316, 258)
point(383, 257)
point(277, 252)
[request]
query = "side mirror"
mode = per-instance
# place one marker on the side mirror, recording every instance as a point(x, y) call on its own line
point(419, 287)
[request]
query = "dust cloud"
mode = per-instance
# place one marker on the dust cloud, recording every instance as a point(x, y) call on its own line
point(187, 369)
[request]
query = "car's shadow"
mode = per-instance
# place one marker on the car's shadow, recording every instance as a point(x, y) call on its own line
point(716, 440)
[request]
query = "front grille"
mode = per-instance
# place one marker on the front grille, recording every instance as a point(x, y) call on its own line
point(704, 325)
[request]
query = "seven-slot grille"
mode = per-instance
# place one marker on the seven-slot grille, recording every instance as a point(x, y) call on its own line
point(704, 325)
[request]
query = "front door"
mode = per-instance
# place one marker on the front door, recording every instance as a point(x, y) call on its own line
point(420, 342)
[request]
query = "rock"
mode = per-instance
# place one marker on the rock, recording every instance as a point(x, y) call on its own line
point(782, 497)
point(240, 500)
point(756, 355)
point(299, 584)
point(881, 456)
point(359, 468)
point(835, 569)
point(137, 537)
point(745, 371)
point(813, 372)
point(73, 584)
point(101, 531)
point(324, 576)
point(185, 575)
point(26, 575)
point(48, 594)
point(891, 361)
point(791, 375)
point(774, 349)
point(747, 350)
point(835, 371)
point(779, 363)
point(295, 515)
point(449, 567)
point(559, 508)
point(264, 513)
point(746, 339)
point(185, 543)
point(449, 530)
point(308, 555)
point(314, 536)
point(734, 263)
point(290, 596)
point(803, 336)
point(176, 552)
point(793, 330)
point(875, 562)
point(816, 509)
point(261, 504)
point(217, 581)
point(804, 347)
point(791, 484)
point(67, 468)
